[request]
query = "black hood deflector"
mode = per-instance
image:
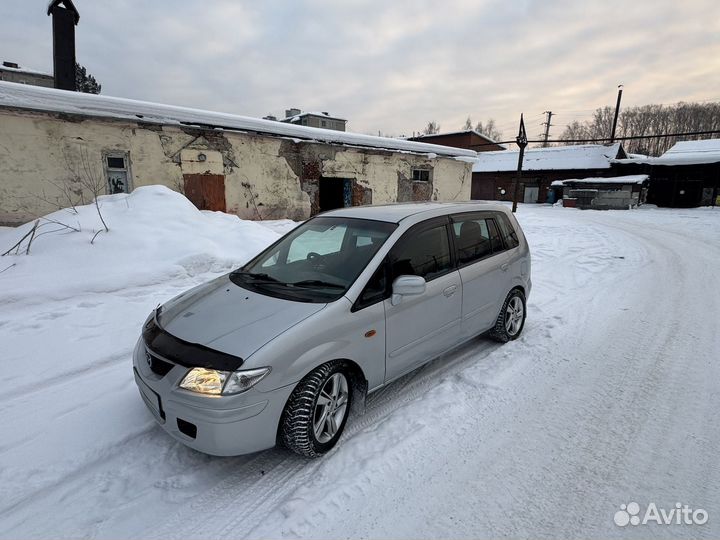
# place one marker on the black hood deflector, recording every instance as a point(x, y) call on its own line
point(185, 353)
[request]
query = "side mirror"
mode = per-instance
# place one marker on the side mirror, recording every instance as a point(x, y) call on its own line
point(406, 286)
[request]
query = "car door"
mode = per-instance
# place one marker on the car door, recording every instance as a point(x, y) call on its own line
point(421, 327)
point(483, 266)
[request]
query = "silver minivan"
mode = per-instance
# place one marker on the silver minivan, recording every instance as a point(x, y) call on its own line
point(280, 350)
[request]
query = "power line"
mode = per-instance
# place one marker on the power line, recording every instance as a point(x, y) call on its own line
point(584, 112)
point(607, 139)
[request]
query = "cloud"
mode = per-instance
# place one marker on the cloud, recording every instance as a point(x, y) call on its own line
point(389, 66)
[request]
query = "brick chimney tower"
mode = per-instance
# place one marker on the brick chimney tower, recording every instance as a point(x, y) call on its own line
point(64, 18)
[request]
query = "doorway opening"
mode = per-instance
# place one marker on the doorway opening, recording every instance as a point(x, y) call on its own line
point(334, 193)
point(531, 194)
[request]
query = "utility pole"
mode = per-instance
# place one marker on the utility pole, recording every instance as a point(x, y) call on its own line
point(522, 142)
point(617, 112)
point(547, 125)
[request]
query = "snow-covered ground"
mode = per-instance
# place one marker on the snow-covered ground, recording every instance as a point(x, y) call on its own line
point(610, 396)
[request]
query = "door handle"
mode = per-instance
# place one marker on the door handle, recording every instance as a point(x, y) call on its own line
point(504, 267)
point(450, 290)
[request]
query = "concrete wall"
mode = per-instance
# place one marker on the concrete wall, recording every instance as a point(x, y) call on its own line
point(26, 77)
point(321, 122)
point(265, 177)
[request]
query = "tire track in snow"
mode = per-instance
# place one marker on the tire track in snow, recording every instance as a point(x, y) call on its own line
point(232, 518)
point(66, 377)
point(70, 475)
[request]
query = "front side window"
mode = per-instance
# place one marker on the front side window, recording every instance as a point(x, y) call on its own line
point(316, 262)
point(425, 253)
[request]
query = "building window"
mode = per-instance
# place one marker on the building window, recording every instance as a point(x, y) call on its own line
point(323, 123)
point(421, 175)
point(117, 172)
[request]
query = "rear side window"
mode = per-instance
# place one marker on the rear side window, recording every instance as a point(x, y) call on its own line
point(476, 237)
point(472, 240)
point(375, 290)
point(508, 232)
point(425, 253)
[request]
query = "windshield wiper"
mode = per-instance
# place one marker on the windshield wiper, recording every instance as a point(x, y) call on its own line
point(255, 276)
point(316, 283)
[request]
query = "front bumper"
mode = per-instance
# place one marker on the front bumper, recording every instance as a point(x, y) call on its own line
point(217, 425)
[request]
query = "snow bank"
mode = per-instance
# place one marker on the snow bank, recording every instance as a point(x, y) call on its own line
point(155, 235)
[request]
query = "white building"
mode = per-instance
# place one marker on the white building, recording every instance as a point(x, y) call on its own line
point(251, 167)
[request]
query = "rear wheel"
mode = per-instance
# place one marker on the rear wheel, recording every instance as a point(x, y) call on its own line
point(318, 408)
point(511, 320)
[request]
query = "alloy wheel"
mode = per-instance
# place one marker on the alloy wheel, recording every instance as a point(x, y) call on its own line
point(514, 315)
point(331, 407)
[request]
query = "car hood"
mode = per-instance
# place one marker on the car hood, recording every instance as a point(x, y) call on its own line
point(225, 317)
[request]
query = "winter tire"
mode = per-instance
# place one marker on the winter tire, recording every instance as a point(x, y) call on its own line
point(317, 410)
point(511, 320)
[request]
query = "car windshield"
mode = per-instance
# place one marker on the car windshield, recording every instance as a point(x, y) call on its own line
point(317, 261)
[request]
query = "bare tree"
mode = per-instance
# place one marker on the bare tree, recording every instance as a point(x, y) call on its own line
point(84, 178)
point(432, 128)
point(648, 120)
point(87, 176)
point(489, 129)
point(468, 125)
point(34, 233)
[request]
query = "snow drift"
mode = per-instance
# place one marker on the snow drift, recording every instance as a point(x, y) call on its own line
point(155, 235)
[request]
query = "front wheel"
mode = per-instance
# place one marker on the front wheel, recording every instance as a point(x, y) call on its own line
point(511, 320)
point(318, 408)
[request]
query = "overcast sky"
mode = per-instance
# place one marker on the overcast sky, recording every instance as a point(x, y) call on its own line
point(388, 65)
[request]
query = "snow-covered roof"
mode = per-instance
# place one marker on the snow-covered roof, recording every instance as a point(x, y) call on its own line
point(461, 132)
point(21, 69)
point(36, 98)
point(683, 153)
point(555, 158)
point(312, 113)
point(628, 179)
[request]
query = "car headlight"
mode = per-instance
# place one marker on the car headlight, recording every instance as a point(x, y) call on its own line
point(215, 382)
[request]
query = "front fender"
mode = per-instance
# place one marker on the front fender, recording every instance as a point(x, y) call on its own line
point(301, 349)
